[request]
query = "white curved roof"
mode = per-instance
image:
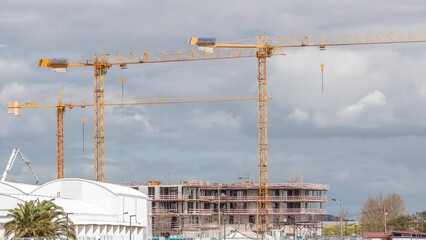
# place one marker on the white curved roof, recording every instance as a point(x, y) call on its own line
point(10, 201)
point(18, 198)
point(80, 207)
point(89, 201)
point(82, 210)
point(16, 188)
point(21, 197)
point(114, 189)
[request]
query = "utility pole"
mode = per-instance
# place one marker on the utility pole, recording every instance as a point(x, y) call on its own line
point(340, 202)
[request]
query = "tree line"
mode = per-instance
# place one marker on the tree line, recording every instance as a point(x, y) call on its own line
point(389, 213)
point(382, 213)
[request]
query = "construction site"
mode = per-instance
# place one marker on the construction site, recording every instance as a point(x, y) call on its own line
point(334, 123)
point(200, 209)
point(197, 209)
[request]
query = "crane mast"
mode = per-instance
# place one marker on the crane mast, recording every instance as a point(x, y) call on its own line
point(99, 123)
point(60, 112)
point(262, 54)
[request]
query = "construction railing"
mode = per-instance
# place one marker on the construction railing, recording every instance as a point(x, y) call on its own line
point(245, 185)
point(271, 198)
point(277, 211)
point(164, 211)
point(200, 211)
point(169, 197)
point(240, 211)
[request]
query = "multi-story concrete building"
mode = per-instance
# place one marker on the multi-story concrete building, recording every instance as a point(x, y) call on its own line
point(206, 208)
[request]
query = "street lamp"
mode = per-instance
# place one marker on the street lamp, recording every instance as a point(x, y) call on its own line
point(124, 214)
point(68, 225)
point(130, 227)
point(385, 220)
point(340, 202)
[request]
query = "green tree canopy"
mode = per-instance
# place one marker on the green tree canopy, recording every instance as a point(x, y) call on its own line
point(38, 219)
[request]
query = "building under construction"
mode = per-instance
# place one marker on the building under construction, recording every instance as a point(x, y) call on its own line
point(202, 209)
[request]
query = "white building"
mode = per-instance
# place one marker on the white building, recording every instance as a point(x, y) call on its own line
point(99, 210)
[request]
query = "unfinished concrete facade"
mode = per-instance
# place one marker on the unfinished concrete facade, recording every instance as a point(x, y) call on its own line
point(207, 208)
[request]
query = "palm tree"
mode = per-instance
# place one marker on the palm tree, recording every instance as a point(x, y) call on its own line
point(38, 219)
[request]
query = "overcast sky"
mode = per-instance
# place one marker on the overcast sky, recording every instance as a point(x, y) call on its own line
point(365, 135)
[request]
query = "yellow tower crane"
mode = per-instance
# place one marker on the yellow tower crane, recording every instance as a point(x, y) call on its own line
point(16, 109)
point(268, 46)
point(260, 47)
point(102, 62)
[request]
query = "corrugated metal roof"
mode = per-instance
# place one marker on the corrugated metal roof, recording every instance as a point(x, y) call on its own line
point(375, 235)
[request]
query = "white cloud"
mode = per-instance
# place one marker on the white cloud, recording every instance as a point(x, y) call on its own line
point(13, 67)
point(374, 99)
point(148, 127)
point(298, 116)
point(10, 91)
point(320, 120)
point(145, 125)
point(371, 110)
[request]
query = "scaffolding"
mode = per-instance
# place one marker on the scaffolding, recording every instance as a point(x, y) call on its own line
point(207, 208)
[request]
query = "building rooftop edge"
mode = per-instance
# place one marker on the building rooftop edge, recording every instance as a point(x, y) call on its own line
point(209, 184)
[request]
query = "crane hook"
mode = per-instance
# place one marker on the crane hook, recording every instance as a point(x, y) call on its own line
point(322, 77)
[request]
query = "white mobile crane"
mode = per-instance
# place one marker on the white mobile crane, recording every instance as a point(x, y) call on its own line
point(12, 158)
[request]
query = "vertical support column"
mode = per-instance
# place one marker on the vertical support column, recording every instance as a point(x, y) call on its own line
point(60, 110)
point(99, 140)
point(262, 208)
